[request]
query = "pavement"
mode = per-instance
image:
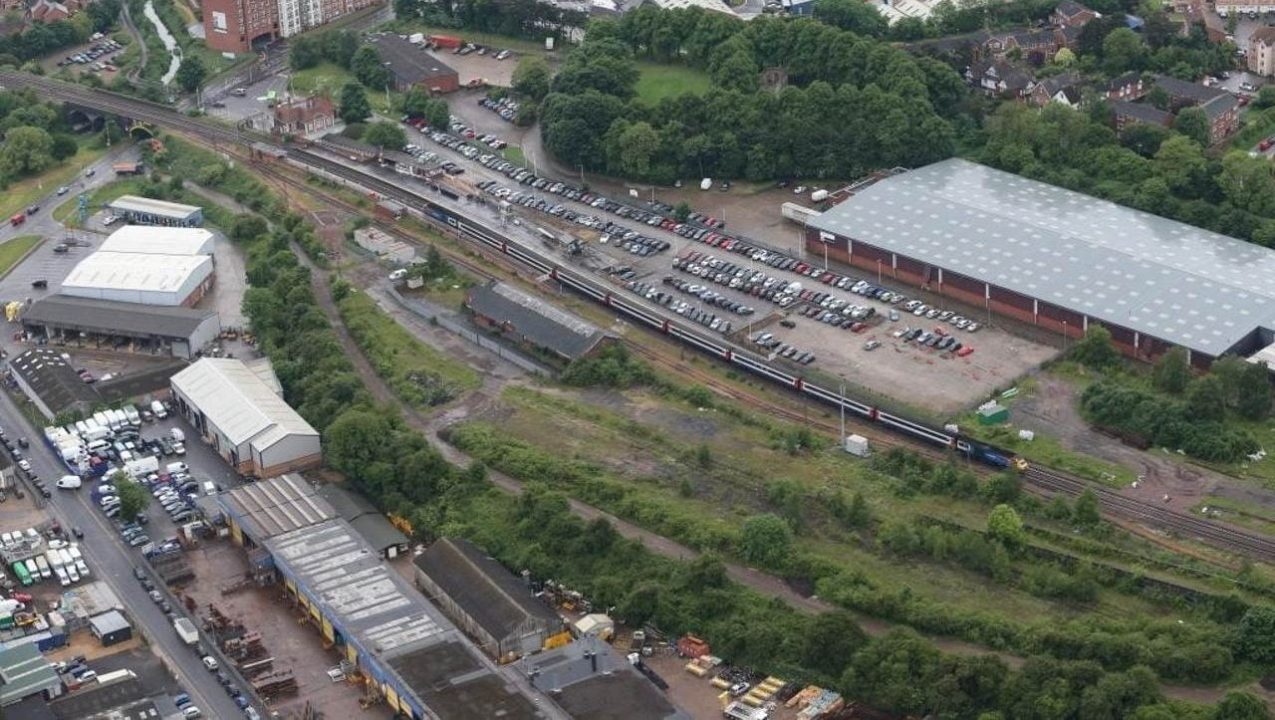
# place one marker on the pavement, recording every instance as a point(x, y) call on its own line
point(113, 562)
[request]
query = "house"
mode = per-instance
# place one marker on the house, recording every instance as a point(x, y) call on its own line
point(1128, 113)
point(1071, 14)
point(1129, 87)
point(412, 65)
point(304, 116)
point(47, 11)
point(1261, 51)
point(1035, 46)
point(1064, 88)
point(553, 334)
point(1220, 106)
point(998, 77)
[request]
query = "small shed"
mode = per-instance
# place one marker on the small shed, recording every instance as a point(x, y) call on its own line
point(110, 628)
point(595, 624)
point(993, 414)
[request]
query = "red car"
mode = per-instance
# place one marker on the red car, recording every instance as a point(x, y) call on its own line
point(964, 351)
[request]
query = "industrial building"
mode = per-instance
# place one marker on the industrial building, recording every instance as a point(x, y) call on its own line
point(419, 662)
point(25, 672)
point(1056, 259)
point(148, 211)
point(110, 628)
point(411, 65)
point(492, 606)
point(67, 320)
point(141, 278)
point(244, 419)
point(376, 530)
point(153, 240)
point(592, 681)
point(532, 322)
point(49, 381)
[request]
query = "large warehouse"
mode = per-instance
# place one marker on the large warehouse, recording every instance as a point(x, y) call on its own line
point(141, 278)
point(148, 211)
point(106, 324)
point(243, 419)
point(414, 658)
point(1056, 258)
point(159, 240)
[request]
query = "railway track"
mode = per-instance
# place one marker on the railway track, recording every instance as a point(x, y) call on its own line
point(1219, 535)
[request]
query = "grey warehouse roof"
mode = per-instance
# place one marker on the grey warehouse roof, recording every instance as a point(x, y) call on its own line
point(24, 671)
point(1125, 267)
point(494, 597)
point(276, 506)
point(113, 317)
point(592, 681)
point(363, 517)
point(372, 606)
point(538, 321)
point(51, 377)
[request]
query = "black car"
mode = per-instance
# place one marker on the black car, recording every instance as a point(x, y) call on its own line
point(78, 533)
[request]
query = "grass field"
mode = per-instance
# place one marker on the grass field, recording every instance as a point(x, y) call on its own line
point(514, 154)
point(660, 81)
point(25, 192)
point(66, 210)
point(419, 374)
point(14, 250)
point(328, 79)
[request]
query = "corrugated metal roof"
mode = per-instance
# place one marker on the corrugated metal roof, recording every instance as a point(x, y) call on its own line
point(23, 672)
point(538, 321)
point(109, 316)
point(235, 399)
point(1117, 265)
point(157, 240)
point(136, 203)
point(136, 271)
point(275, 506)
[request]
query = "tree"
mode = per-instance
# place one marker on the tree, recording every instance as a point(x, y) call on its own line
point(1193, 123)
point(1253, 401)
point(765, 540)
point(64, 146)
point(531, 78)
point(1095, 349)
point(437, 114)
point(852, 15)
point(133, 497)
point(25, 150)
point(1004, 524)
point(1180, 161)
point(354, 105)
point(385, 135)
point(1065, 57)
point(191, 73)
point(1255, 637)
point(248, 227)
point(682, 211)
point(1171, 372)
point(894, 673)
point(1085, 513)
point(1123, 50)
point(1265, 97)
point(1206, 399)
point(830, 642)
point(1242, 706)
point(638, 143)
point(368, 68)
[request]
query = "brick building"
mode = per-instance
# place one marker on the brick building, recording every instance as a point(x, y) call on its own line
point(234, 25)
point(1261, 51)
point(304, 116)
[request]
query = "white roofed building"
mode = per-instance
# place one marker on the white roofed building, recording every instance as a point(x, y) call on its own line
point(149, 211)
point(154, 240)
point(244, 419)
point(141, 278)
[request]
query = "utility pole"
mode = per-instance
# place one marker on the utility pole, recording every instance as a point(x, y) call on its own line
point(841, 402)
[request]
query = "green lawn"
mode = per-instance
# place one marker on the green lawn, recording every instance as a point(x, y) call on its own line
point(328, 79)
point(14, 250)
point(513, 154)
point(27, 191)
point(418, 373)
point(660, 81)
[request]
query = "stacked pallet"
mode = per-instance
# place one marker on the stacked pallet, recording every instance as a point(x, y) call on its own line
point(763, 692)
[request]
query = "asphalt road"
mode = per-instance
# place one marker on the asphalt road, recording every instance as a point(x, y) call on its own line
point(110, 560)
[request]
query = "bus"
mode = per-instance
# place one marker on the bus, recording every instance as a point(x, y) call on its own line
point(20, 570)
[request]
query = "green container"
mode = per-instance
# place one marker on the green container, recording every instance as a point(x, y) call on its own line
point(993, 415)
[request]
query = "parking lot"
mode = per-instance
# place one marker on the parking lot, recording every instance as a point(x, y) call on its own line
point(485, 67)
point(814, 314)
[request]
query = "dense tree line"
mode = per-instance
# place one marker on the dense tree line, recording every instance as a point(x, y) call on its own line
point(851, 103)
point(35, 136)
point(311, 49)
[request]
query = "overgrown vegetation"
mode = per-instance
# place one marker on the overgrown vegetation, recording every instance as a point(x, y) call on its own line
point(419, 374)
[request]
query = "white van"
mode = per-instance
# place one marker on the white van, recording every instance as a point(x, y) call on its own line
point(178, 435)
point(64, 579)
point(43, 565)
point(157, 408)
point(210, 488)
point(70, 482)
point(177, 467)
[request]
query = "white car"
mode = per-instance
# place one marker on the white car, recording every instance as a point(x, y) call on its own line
point(210, 662)
point(25, 464)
